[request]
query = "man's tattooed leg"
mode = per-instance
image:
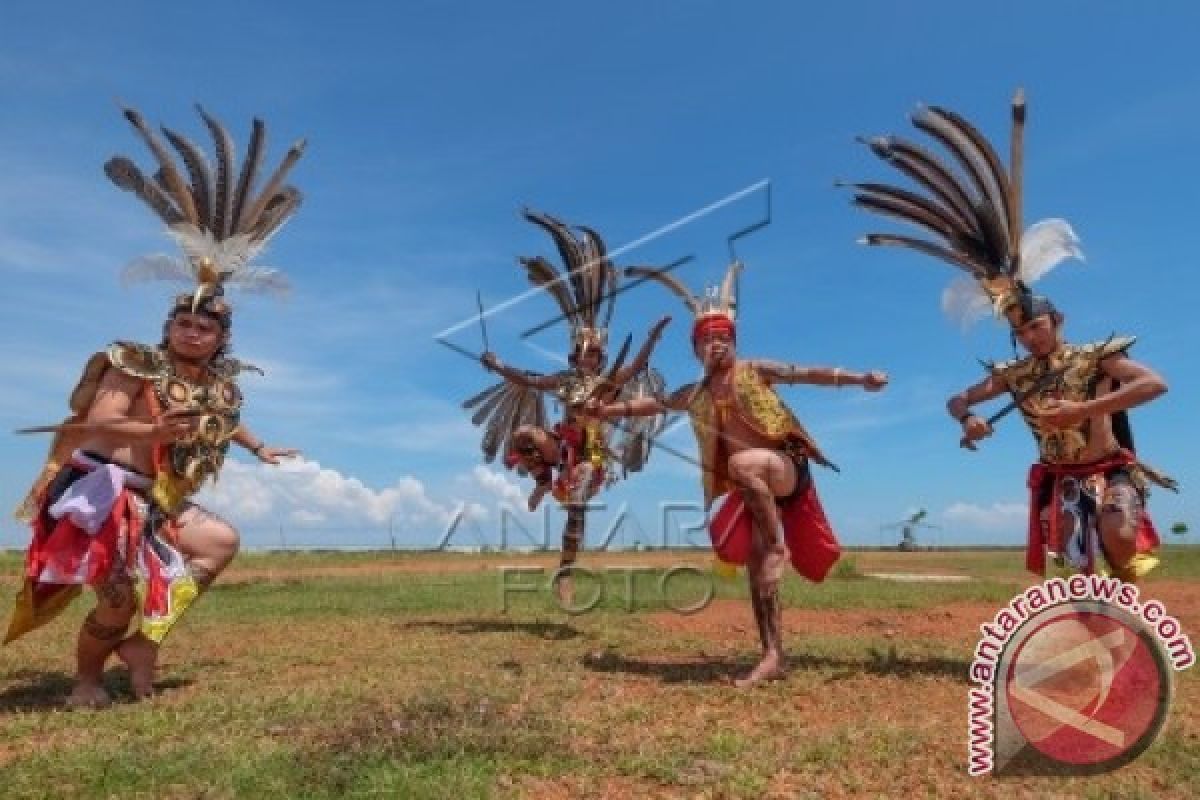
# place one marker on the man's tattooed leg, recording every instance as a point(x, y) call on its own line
point(573, 530)
point(99, 635)
point(768, 615)
point(103, 632)
point(1119, 519)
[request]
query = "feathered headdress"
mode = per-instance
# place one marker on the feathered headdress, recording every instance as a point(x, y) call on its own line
point(716, 309)
point(975, 213)
point(587, 293)
point(220, 224)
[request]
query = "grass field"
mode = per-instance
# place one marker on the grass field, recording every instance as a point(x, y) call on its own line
point(394, 675)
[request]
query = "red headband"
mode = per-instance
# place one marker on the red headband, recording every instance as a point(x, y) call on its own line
point(711, 323)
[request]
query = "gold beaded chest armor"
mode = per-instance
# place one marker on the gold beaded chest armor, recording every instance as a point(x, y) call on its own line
point(1079, 366)
point(184, 466)
point(577, 387)
point(754, 400)
point(217, 402)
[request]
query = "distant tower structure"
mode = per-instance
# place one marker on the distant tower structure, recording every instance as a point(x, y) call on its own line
point(908, 529)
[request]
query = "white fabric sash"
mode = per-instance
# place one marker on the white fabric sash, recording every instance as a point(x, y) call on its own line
point(88, 501)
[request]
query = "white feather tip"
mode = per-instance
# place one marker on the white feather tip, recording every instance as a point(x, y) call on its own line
point(1045, 245)
point(964, 302)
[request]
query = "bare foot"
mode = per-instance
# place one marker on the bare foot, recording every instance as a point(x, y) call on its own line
point(88, 695)
point(771, 668)
point(564, 588)
point(141, 656)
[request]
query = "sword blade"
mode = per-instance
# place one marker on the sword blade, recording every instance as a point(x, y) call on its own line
point(482, 324)
point(85, 425)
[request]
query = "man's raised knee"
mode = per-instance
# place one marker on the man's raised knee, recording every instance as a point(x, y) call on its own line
point(226, 538)
point(744, 472)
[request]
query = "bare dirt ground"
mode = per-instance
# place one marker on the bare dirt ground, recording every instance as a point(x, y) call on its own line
point(951, 622)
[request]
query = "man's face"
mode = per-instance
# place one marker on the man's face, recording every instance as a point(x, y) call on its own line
point(589, 359)
point(715, 349)
point(194, 337)
point(1039, 336)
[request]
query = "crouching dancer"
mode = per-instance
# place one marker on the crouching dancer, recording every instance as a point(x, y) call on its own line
point(150, 424)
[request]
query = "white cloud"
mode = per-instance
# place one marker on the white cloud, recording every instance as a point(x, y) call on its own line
point(308, 493)
point(995, 518)
point(499, 486)
point(304, 516)
point(307, 504)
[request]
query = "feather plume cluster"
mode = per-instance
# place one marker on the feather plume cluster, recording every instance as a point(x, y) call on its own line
point(215, 215)
point(636, 435)
point(587, 291)
point(969, 206)
point(501, 409)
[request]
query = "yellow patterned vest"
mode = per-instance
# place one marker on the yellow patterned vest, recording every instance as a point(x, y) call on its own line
point(761, 409)
point(1081, 365)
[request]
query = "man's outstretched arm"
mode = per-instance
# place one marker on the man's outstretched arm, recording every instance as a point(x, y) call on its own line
point(109, 414)
point(268, 455)
point(780, 372)
point(643, 406)
point(518, 376)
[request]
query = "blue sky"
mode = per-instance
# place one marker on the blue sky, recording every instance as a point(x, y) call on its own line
point(429, 127)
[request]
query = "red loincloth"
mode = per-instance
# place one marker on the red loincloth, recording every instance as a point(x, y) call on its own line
point(811, 543)
point(63, 557)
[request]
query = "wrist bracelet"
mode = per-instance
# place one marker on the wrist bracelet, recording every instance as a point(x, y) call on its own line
point(965, 416)
point(837, 377)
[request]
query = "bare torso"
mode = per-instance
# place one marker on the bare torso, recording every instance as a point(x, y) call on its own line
point(138, 455)
point(735, 434)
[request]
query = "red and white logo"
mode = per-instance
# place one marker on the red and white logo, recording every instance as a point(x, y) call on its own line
point(1086, 688)
point(1081, 687)
point(1073, 677)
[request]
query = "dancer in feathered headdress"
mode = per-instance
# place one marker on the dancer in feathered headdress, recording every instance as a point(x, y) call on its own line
point(755, 451)
point(1088, 489)
point(513, 411)
point(150, 424)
